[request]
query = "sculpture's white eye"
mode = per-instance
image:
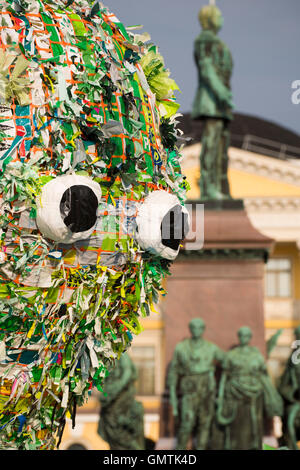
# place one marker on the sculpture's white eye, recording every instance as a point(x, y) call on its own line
point(67, 208)
point(162, 223)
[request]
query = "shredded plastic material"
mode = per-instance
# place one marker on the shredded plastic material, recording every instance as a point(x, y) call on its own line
point(79, 96)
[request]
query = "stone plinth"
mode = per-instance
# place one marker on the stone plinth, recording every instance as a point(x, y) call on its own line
point(226, 293)
point(223, 283)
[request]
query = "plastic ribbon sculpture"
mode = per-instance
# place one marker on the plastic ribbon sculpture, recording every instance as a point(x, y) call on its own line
point(91, 205)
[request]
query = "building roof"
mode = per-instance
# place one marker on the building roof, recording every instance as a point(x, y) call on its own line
point(251, 133)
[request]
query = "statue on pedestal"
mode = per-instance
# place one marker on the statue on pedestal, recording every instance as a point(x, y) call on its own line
point(213, 104)
point(289, 389)
point(121, 421)
point(192, 375)
point(246, 394)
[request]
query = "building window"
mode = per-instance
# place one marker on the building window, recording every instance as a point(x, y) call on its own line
point(144, 359)
point(278, 278)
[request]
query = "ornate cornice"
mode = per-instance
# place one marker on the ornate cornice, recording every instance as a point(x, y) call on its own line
point(279, 170)
point(272, 204)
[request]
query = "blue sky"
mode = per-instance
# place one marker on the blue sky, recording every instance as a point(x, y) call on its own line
point(263, 35)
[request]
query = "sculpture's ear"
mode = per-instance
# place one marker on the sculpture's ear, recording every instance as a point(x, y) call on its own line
point(162, 223)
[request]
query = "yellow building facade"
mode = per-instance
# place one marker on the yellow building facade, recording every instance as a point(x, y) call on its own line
point(270, 188)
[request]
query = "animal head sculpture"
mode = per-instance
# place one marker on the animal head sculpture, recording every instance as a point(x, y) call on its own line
point(92, 208)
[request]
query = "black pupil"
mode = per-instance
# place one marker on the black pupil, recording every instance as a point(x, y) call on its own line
point(78, 208)
point(174, 227)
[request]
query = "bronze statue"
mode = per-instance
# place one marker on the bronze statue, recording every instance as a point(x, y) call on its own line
point(192, 372)
point(289, 389)
point(213, 104)
point(121, 422)
point(245, 394)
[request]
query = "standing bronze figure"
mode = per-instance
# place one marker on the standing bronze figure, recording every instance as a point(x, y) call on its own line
point(192, 376)
point(121, 421)
point(245, 394)
point(213, 104)
point(289, 388)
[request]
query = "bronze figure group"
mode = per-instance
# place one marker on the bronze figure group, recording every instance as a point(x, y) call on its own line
point(220, 400)
point(229, 415)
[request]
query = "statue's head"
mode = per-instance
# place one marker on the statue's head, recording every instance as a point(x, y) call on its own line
point(197, 327)
point(211, 18)
point(244, 335)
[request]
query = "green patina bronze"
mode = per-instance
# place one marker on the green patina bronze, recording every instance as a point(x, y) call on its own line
point(192, 377)
point(289, 389)
point(213, 104)
point(246, 394)
point(121, 422)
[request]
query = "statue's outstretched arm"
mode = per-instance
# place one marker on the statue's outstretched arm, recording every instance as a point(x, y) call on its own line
point(220, 404)
point(172, 384)
point(288, 384)
point(221, 419)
